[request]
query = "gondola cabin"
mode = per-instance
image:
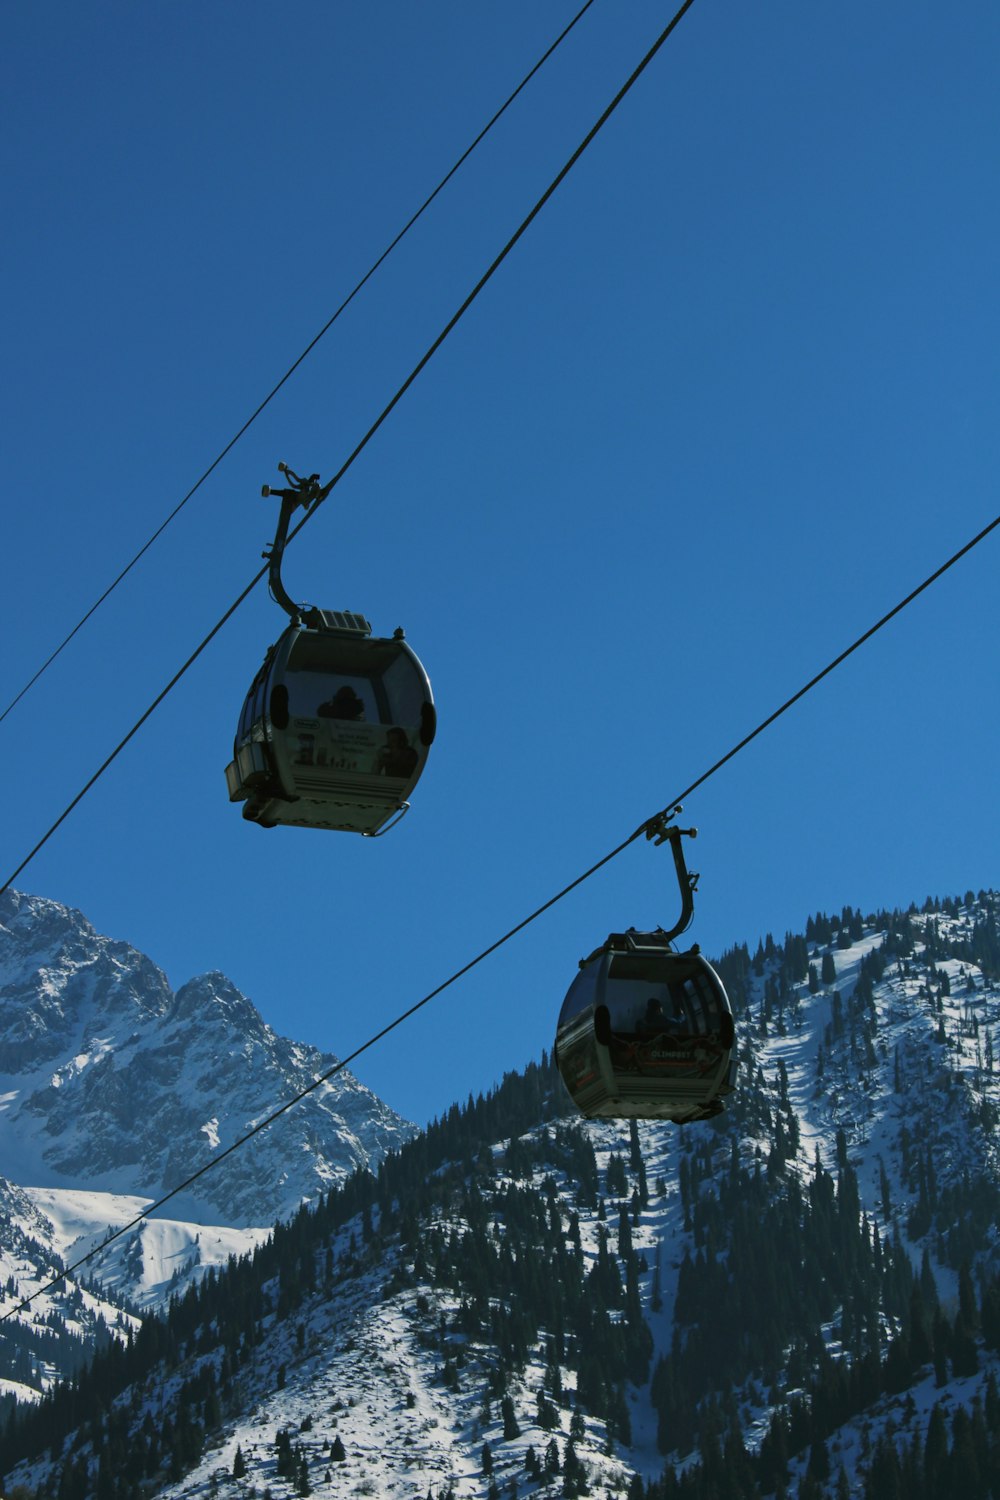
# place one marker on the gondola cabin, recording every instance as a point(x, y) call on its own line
point(335, 729)
point(646, 1033)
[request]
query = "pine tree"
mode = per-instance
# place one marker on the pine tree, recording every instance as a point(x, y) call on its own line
point(819, 1461)
point(284, 1463)
point(921, 1350)
point(547, 1417)
point(963, 1469)
point(964, 1355)
point(656, 1301)
point(967, 1297)
point(574, 1475)
point(624, 1234)
point(935, 1450)
point(615, 1177)
point(773, 1456)
point(884, 1474)
point(510, 1428)
point(635, 1149)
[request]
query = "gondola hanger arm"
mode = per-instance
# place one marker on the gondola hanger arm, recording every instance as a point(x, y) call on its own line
point(299, 491)
point(662, 831)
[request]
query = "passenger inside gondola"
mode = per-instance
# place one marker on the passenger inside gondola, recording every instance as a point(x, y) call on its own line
point(345, 704)
point(654, 1019)
point(397, 756)
point(347, 697)
point(307, 750)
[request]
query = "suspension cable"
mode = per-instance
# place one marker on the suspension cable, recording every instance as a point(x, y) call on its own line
point(831, 666)
point(318, 1082)
point(293, 367)
point(449, 326)
point(651, 825)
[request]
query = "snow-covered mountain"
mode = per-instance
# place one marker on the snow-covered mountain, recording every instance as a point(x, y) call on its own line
point(801, 1296)
point(110, 1081)
point(113, 1089)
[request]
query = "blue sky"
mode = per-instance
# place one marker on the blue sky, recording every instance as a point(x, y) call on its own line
point(732, 396)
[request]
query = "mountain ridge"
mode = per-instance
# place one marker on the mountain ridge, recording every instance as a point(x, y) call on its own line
point(109, 1079)
point(799, 1296)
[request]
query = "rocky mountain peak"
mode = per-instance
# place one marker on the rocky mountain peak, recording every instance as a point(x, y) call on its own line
point(112, 1081)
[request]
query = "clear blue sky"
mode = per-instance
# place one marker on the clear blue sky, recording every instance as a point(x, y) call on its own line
point(732, 397)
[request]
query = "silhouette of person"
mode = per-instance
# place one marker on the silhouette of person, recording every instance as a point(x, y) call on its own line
point(345, 704)
point(654, 1020)
point(397, 756)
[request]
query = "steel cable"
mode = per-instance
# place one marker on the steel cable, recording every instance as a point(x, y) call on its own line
point(405, 1015)
point(420, 366)
point(293, 367)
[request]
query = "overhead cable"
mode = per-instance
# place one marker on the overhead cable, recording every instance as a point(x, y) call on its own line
point(422, 363)
point(649, 826)
point(293, 367)
point(831, 666)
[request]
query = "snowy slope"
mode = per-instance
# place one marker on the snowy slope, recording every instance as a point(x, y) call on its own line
point(110, 1081)
point(369, 1378)
point(112, 1090)
point(885, 1066)
point(149, 1263)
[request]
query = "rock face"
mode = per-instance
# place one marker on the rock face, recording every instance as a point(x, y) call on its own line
point(111, 1081)
point(525, 1301)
